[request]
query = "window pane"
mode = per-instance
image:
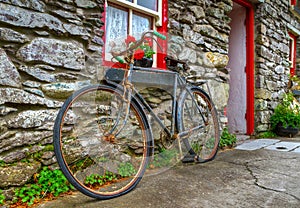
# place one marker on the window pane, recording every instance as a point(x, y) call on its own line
point(116, 25)
point(117, 21)
point(291, 50)
point(150, 4)
point(140, 24)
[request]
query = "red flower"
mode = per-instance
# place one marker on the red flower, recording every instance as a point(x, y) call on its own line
point(129, 39)
point(139, 54)
point(149, 41)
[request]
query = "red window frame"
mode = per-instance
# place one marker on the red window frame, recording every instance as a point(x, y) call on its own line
point(161, 63)
point(295, 5)
point(293, 53)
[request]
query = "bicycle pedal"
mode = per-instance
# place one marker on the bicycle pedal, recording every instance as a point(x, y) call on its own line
point(189, 158)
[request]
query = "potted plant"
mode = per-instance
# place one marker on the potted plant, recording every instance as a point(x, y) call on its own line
point(294, 85)
point(286, 118)
point(144, 53)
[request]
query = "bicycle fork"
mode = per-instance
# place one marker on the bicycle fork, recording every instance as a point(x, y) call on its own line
point(126, 97)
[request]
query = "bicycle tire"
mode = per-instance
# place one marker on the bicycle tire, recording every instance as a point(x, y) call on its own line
point(97, 162)
point(202, 144)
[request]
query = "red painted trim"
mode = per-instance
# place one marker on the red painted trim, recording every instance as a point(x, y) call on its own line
point(293, 69)
point(161, 63)
point(244, 3)
point(250, 72)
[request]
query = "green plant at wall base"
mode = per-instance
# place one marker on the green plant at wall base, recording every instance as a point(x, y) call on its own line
point(2, 198)
point(28, 194)
point(46, 182)
point(286, 113)
point(48, 147)
point(109, 176)
point(99, 180)
point(53, 181)
point(94, 179)
point(267, 134)
point(126, 169)
point(227, 139)
point(2, 163)
point(164, 158)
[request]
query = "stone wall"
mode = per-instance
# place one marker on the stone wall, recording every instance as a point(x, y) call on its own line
point(199, 32)
point(273, 20)
point(48, 48)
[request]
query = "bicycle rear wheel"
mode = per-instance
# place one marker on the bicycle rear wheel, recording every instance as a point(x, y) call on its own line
point(102, 152)
point(196, 109)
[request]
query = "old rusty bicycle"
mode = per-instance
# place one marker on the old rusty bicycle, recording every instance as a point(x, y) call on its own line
point(103, 138)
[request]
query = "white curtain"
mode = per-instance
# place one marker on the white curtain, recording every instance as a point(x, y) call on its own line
point(116, 25)
point(139, 25)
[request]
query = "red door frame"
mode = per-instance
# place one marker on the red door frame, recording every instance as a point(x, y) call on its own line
point(294, 48)
point(250, 45)
point(161, 62)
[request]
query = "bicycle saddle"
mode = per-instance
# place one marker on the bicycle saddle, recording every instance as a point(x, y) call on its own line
point(176, 65)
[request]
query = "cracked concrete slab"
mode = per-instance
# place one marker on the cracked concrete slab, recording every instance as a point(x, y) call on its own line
point(297, 150)
point(259, 178)
point(283, 146)
point(256, 144)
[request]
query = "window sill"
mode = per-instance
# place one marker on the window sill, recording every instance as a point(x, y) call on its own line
point(295, 11)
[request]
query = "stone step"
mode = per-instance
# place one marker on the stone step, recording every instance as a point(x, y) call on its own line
point(270, 144)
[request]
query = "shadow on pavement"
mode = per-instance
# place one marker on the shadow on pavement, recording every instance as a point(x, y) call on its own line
point(236, 178)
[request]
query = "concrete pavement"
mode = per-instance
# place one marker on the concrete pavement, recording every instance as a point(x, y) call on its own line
point(265, 176)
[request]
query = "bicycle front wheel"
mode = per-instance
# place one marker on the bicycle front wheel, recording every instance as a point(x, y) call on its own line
point(198, 117)
point(101, 147)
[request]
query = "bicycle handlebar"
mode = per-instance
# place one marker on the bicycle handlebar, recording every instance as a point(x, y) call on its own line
point(117, 55)
point(161, 36)
point(119, 59)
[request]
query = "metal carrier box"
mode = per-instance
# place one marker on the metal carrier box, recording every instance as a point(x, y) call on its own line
point(144, 76)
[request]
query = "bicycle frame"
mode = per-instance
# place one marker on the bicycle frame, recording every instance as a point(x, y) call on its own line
point(155, 77)
point(127, 78)
point(88, 141)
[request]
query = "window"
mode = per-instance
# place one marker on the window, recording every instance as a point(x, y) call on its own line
point(293, 53)
point(132, 17)
point(295, 7)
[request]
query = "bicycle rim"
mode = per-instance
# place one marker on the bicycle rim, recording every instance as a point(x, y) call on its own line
point(100, 152)
point(199, 111)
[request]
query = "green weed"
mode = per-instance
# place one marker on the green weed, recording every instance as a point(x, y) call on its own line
point(46, 182)
point(2, 198)
point(164, 158)
point(99, 180)
point(267, 134)
point(94, 179)
point(126, 169)
point(227, 139)
point(2, 163)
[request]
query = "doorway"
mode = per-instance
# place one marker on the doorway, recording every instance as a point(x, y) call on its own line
point(240, 109)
